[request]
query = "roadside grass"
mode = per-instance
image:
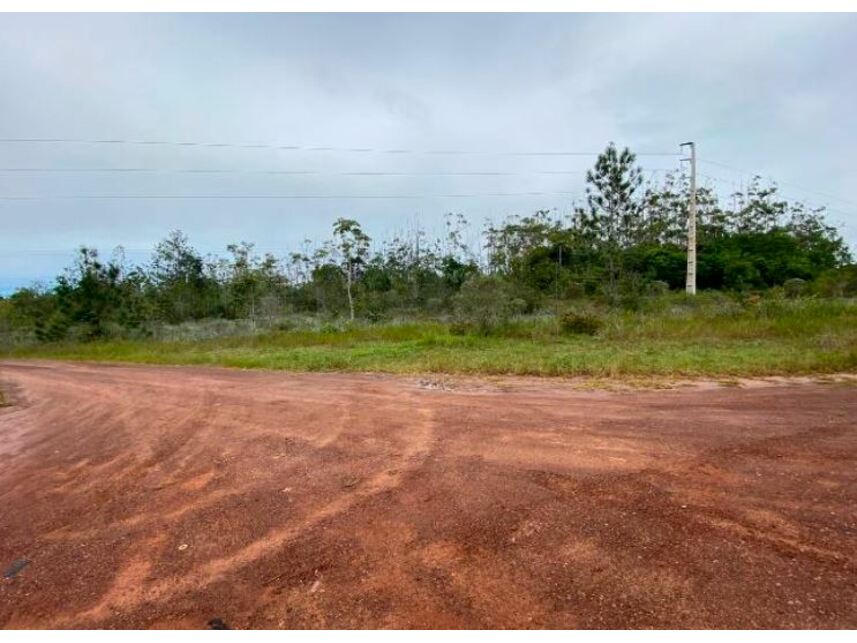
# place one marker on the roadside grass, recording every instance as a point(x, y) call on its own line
point(671, 336)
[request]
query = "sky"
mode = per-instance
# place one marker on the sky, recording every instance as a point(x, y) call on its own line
point(393, 96)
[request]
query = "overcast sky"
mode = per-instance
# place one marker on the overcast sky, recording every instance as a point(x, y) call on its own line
point(772, 94)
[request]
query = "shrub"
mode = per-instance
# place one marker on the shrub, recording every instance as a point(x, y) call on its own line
point(461, 328)
point(657, 287)
point(284, 325)
point(574, 323)
point(485, 303)
point(752, 300)
point(54, 329)
point(840, 282)
point(794, 287)
point(627, 301)
point(575, 290)
point(329, 328)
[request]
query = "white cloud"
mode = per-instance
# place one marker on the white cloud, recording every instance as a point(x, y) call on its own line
point(771, 93)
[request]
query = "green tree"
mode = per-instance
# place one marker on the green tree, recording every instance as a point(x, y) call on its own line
point(178, 272)
point(613, 215)
point(251, 284)
point(352, 245)
point(89, 295)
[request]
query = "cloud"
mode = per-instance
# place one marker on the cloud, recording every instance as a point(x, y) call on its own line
point(769, 93)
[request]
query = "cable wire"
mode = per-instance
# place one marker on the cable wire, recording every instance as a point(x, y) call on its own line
point(151, 170)
point(770, 178)
point(275, 146)
point(120, 197)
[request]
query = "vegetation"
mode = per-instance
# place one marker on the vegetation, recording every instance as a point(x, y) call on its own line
point(576, 323)
point(591, 291)
point(671, 335)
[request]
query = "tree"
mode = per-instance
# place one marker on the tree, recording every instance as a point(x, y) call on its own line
point(250, 282)
point(27, 306)
point(625, 238)
point(509, 245)
point(179, 275)
point(614, 212)
point(88, 295)
point(352, 245)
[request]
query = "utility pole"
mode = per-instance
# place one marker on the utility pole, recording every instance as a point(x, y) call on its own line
point(417, 267)
point(690, 284)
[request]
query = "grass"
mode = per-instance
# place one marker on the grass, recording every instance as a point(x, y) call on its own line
point(672, 336)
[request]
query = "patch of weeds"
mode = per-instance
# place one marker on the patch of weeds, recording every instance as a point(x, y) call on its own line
point(330, 328)
point(574, 323)
point(462, 328)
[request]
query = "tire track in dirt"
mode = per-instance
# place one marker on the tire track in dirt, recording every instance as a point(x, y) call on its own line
point(149, 496)
point(126, 594)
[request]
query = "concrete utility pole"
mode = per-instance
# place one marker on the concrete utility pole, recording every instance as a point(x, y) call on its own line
point(690, 284)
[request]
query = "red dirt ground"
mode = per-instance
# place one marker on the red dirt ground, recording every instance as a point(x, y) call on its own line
point(167, 497)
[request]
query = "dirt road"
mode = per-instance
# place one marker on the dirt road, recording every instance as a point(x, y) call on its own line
point(168, 497)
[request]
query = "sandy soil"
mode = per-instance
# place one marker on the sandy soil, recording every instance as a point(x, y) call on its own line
point(168, 497)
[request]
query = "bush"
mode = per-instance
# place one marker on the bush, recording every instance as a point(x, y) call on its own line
point(461, 328)
point(484, 303)
point(631, 302)
point(573, 323)
point(329, 328)
point(575, 290)
point(657, 287)
point(54, 329)
point(839, 282)
point(284, 325)
point(794, 287)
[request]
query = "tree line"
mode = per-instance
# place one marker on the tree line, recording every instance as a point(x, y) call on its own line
point(627, 239)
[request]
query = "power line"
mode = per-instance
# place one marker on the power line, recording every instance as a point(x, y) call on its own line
point(150, 170)
point(304, 148)
point(112, 248)
point(370, 150)
point(51, 253)
point(304, 172)
point(740, 188)
point(770, 178)
point(120, 197)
